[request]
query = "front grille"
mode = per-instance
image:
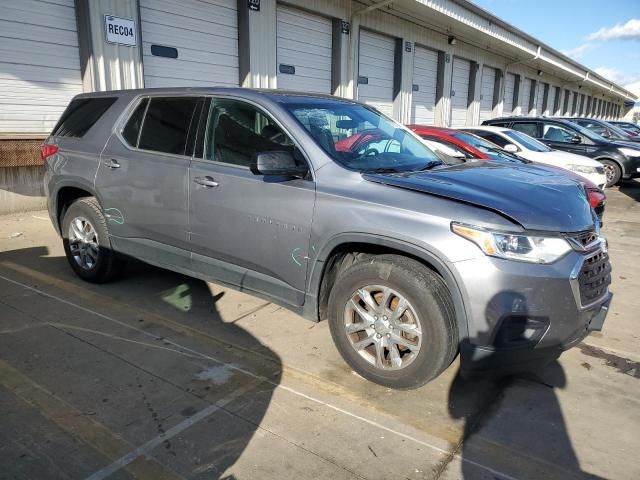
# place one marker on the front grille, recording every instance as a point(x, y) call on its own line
point(582, 239)
point(594, 278)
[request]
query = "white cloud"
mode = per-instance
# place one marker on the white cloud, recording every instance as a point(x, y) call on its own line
point(629, 81)
point(578, 52)
point(626, 31)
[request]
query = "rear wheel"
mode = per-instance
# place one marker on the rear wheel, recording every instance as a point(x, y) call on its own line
point(87, 243)
point(393, 321)
point(612, 171)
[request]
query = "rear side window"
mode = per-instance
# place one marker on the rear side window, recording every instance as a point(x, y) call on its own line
point(131, 131)
point(81, 115)
point(492, 137)
point(529, 128)
point(166, 125)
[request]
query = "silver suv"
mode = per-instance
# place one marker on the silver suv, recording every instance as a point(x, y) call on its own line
point(331, 209)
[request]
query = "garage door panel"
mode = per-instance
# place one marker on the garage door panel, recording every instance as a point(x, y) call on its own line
point(49, 15)
point(207, 42)
point(526, 96)
point(509, 89)
point(550, 101)
point(425, 78)
point(459, 91)
point(304, 40)
point(15, 30)
point(487, 87)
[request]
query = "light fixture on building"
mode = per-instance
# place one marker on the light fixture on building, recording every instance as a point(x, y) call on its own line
point(452, 40)
point(540, 73)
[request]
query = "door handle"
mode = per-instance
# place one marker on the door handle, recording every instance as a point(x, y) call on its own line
point(113, 163)
point(206, 181)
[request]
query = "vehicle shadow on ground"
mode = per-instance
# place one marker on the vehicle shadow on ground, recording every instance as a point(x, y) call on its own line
point(520, 428)
point(215, 444)
point(631, 188)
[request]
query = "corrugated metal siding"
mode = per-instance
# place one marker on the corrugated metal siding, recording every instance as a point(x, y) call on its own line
point(304, 41)
point(39, 64)
point(487, 86)
point(377, 54)
point(459, 91)
point(205, 33)
point(425, 77)
point(525, 88)
point(509, 87)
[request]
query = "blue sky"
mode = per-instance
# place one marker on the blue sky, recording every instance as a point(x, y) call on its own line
point(603, 35)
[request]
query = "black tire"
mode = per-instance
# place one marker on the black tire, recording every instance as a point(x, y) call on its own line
point(613, 171)
point(429, 298)
point(107, 265)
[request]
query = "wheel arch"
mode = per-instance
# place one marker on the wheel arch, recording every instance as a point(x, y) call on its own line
point(335, 255)
point(65, 195)
point(612, 158)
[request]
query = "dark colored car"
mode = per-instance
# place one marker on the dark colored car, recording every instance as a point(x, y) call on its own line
point(629, 127)
point(620, 159)
point(411, 260)
point(605, 129)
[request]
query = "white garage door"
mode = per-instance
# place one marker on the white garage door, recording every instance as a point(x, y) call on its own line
point(569, 96)
point(303, 51)
point(540, 98)
point(425, 78)
point(204, 35)
point(509, 87)
point(487, 86)
point(39, 64)
point(550, 101)
point(375, 84)
point(459, 91)
point(526, 96)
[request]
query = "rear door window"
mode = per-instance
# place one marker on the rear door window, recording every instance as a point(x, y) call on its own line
point(530, 128)
point(166, 124)
point(492, 137)
point(557, 133)
point(81, 115)
point(131, 131)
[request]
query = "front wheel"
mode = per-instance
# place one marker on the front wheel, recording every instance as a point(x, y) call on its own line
point(393, 321)
point(613, 172)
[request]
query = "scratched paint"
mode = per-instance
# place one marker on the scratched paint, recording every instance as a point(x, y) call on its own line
point(114, 215)
point(295, 253)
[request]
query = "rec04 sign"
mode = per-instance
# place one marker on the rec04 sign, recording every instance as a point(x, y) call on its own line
point(121, 31)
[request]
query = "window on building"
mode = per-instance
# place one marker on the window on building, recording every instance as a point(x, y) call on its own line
point(238, 131)
point(166, 124)
point(81, 115)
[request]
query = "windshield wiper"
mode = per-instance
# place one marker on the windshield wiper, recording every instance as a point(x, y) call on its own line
point(433, 163)
point(381, 170)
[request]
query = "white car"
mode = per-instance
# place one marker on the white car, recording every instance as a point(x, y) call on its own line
point(531, 149)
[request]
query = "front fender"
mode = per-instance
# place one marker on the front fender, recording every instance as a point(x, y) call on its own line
point(316, 273)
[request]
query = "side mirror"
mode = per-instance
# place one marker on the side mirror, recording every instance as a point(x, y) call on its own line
point(511, 148)
point(277, 163)
point(576, 139)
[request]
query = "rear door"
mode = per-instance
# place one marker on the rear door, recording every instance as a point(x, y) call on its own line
point(248, 230)
point(142, 178)
point(560, 137)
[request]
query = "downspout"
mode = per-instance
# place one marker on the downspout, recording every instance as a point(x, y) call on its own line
point(354, 21)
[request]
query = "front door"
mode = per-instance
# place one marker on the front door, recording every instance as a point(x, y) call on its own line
point(142, 181)
point(562, 138)
point(248, 230)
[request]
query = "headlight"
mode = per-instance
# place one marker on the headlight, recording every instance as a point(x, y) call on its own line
point(629, 152)
point(581, 168)
point(523, 248)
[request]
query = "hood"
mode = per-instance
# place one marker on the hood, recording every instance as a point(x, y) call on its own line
point(535, 197)
point(568, 158)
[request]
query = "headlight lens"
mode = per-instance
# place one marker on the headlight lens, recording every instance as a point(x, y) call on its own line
point(524, 248)
point(581, 168)
point(630, 152)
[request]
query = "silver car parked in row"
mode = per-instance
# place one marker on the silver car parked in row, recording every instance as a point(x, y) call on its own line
point(331, 209)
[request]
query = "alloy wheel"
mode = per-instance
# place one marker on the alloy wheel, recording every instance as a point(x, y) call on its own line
point(83, 243)
point(382, 327)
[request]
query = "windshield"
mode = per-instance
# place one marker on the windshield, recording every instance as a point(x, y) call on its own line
point(360, 138)
point(526, 141)
point(490, 149)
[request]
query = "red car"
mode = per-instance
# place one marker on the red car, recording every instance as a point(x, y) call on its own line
point(473, 147)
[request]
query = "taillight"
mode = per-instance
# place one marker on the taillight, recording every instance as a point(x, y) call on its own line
point(595, 198)
point(46, 150)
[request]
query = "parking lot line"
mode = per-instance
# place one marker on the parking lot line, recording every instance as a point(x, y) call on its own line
point(148, 447)
point(27, 271)
point(73, 421)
